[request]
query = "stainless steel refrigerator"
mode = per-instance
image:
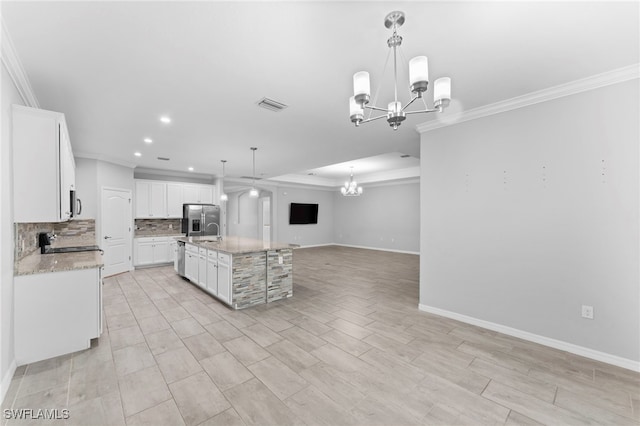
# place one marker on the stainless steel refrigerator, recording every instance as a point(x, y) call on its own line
point(199, 220)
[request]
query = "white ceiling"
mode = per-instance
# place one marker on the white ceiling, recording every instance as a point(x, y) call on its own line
point(114, 68)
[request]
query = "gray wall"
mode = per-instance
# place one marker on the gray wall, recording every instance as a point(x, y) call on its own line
point(305, 235)
point(529, 214)
point(385, 217)
point(10, 96)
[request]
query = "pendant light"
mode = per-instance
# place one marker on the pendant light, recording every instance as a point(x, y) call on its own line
point(253, 193)
point(223, 196)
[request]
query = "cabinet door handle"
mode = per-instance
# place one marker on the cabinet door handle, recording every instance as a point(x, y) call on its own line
point(106, 237)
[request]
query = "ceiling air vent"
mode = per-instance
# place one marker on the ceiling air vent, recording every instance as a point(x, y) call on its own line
point(163, 158)
point(250, 177)
point(405, 156)
point(271, 105)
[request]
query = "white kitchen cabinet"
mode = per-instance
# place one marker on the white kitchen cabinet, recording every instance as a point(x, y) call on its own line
point(151, 251)
point(199, 194)
point(174, 200)
point(173, 249)
point(191, 263)
point(224, 277)
point(151, 199)
point(56, 313)
point(212, 272)
point(161, 200)
point(43, 166)
point(202, 268)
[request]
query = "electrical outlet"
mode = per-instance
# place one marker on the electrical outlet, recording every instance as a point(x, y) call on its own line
point(280, 260)
point(587, 311)
point(171, 226)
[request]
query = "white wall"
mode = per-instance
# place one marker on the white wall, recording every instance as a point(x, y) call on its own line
point(91, 176)
point(87, 186)
point(385, 217)
point(242, 215)
point(10, 95)
point(305, 235)
point(531, 213)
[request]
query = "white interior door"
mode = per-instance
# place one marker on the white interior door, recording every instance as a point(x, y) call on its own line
point(116, 230)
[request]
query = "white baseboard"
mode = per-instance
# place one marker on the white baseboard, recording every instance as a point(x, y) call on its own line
point(377, 248)
point(316, 245)
point(536, 338)
point(6, 380)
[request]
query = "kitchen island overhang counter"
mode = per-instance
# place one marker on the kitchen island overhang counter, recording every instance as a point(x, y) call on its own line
point(241, 272)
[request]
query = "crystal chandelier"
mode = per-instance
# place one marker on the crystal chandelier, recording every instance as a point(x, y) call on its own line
point(253, 193)
point(223, 196)
point(351, 188)
point(418, 83)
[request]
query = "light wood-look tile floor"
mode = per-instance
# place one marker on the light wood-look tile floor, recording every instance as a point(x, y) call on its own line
point(349, 348)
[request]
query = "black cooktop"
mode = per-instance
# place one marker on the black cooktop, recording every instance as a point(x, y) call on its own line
point(51, 250)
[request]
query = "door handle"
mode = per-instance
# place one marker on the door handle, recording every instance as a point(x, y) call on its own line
point(106, 237)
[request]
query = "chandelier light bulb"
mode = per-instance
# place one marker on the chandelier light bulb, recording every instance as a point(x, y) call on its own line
point(418, 70)
point(442, 91)
point(395, 107)
point(253, 193)
point(224, 197)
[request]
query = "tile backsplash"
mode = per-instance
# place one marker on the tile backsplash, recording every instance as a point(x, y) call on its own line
point(26, 234)
point(157, 226)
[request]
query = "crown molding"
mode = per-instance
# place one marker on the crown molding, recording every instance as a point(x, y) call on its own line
point(16, 71)
point(589, 83)
point(91, 156)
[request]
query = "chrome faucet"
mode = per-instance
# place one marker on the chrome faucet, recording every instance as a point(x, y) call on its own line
point(218, 236)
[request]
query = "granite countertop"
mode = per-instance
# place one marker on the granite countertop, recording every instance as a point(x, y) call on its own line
point(236, 245)
point(146, 234)
point(37, 263)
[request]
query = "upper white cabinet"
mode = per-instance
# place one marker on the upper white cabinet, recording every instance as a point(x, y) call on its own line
point(174, 199)
point(199, 194)
point(43, 166)
point(162, 200)
point(151, 199)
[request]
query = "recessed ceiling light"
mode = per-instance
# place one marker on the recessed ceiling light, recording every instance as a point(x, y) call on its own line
point(165, 119)
point(137, 154)
point(190, 169)
point(148, 140)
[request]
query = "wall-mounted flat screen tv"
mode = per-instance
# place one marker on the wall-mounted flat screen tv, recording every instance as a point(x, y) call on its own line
point(303, 214)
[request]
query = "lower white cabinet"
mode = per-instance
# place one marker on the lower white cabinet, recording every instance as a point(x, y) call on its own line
point(210, 270)
point(173, 250)
point(152, 250)
point(191, 259)
point(224, 277)
point(202, 268)
point(56, 313)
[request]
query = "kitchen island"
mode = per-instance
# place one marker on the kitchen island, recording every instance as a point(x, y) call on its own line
point(241, 272)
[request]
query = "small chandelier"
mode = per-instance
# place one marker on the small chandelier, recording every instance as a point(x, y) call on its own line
point(351, 188)
point(253, 193)
point(418, 81)
point(223, 196)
